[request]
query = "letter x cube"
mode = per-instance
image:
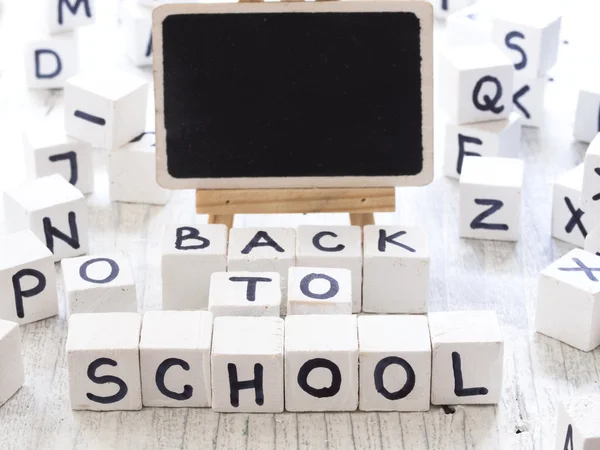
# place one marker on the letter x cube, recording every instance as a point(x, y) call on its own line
point(568, 303)
point(570, 222)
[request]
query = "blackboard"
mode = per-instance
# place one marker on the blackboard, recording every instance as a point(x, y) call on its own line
point(331, 94)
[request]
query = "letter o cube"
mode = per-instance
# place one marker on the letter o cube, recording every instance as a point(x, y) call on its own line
point(313, 290)
point(578, 420)
point(12, 375)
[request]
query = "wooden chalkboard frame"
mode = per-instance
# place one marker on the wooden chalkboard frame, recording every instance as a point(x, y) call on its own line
point(421, 9)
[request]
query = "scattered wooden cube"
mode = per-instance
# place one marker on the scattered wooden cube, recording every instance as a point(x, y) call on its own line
point(333, 247)
point(589, 199)
point(186, 248)
point(529, 36)
point(478, 83)
point(50, 62)
point(394, 363)
point(443, 8)
point(321, 363)
point(313, 290)
point(587, 115)
point(137, 25)
point(468, 353)
point(67, 15)
point(103, 361)
point(107, 110)
point(137, 156)
point(592, 241)
point(263, 250)
point(469, 25)
point(245, 294)
point(569, 300)
point(396, 270)
point(247, 364)
point(569, 222)
point(175, 358)
point(494, 138)
point(578, 420)
point(490, 198)
point(99, 283)
point(54, 210)
point(528, 99)
point(48, 150)
point(12, 375)
point(27, 279)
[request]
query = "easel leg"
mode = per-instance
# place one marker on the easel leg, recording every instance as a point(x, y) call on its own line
point(225, 219)
point(362, 219)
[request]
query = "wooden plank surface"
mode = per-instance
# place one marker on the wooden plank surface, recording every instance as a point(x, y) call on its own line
point(466, 274)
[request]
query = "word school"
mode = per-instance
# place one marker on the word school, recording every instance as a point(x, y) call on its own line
point(121, 361)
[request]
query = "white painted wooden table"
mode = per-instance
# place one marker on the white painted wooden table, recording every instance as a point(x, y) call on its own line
point(465, 275)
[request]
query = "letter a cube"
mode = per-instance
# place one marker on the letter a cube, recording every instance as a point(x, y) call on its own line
point(578, 420)
point(12, 375)
point(568, 302)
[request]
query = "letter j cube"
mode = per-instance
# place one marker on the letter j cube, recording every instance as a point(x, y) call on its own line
point(490, 198)
point(103, 361)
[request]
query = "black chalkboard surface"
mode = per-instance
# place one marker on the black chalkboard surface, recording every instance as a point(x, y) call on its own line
point(332, 94)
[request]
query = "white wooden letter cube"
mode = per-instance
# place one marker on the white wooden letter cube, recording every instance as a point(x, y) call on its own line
point(247, 364)
point(137, 24)
point(50, 62)
point(27, 279)
point(469, 25)
point(587, 115)
point(477, 83)
point(103, 361)
point(333, 247)
point(12, 375)
point(54, 210)
point(494, 138)
point(443, 8)
point(99, 283)
point(107, 110)
point(139, 157)
point(190, 255)
point(66, 15)
point(175, 358)
point(568, 303)
point(569, 222)
point(321, 363)
point(528, 99)
point(592, 241)
point(313, 290)
point(578, 420)
point(490, 198)
point(48, 150)
point(590, 190)
point(394, 363)
point(468, 358)
point(263, 250)
point(396, 270)
point(529, 36)
point(245, 294)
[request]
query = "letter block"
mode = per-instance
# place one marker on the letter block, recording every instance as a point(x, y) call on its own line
point(48, 150)
point(528, 99)
point(468, 354)
point(321, 363)
point(578, 420)
point(333, 247)
point(569, 221)
point(103, 361)
point(490, 198)
point(478, 83)
point(107, 110)
point(394, 362)
point(568, 302)
point(139, 157)
point(27, 279)
point(469, 25)
point(50, 62)
point(529, 36)
point(137, 25)
point(263, 250)
point(396, 270)
point(100, 283)
point(592, 241)
point(54, 210)
point(245, 294)
point(590, 189)
point(443, 8)
point(494, 138)
point(247, 364)
point(313, 290)
point(587, 115)
point(67, 15)
point(175, 358)
point(12, 375)
point(186, 248)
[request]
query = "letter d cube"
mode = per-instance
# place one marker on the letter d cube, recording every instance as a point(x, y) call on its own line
point(49, 63)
